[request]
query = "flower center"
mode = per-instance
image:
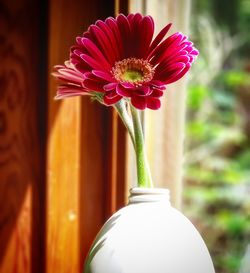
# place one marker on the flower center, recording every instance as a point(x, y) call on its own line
point(136, 71)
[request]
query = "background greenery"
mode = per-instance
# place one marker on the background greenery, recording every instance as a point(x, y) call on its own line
point(217, 172)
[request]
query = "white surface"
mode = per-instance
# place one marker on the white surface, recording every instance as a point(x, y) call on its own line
point(150, 237)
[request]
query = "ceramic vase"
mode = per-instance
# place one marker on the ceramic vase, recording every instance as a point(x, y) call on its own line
point(148, 236)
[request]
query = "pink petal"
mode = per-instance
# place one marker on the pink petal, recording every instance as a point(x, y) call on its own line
point(103, 75)
point(93, 85)
point(163, 45)
point(191, 58)
point(188, 48)
point(90, 76)
point(159, 37)
point(139, 102)
point(57, 67)
point(157, 93)
point(124, 28)
point(91, 62)
point(68, 90)
point(179, 75)
point(110, 86)
point(157, 84)
point(111, 94)
point(130, 17)
point(111, 100)
point(166, 47)
point(125, 92)
point(143, 91)
point(104, 43)
point(79, 40)
point(113, 26)
point(96, 53)
point(194, 52)
point(112, 40)
point(74, 59)
point(82, 67)
point(68, 75)
point(177, 59)
point(134, 22)
point(172, 53)
point(169, 72)
point(78, 51)
point(153, 103)
point(145, 35)
point(127, 85)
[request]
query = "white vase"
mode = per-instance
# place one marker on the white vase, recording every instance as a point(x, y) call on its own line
point(148, 236)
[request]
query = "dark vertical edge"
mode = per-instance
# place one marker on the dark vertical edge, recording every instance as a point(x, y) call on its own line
point(122, 6)
point(114, 162)
point(113, 140)
point(116, 157)
point(96, 9)
point(39, 189)
point(110, 162)
point(121, 167)
point(115, 148)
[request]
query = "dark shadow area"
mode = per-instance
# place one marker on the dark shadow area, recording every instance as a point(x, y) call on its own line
point(94, 182)
point(22, 134)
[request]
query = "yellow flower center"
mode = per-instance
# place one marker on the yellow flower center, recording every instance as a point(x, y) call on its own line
point(132, 70)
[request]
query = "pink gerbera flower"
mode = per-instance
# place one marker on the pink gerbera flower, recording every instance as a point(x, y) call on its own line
point(119, 59)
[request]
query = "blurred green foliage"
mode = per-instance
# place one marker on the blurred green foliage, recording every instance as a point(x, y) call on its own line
point(217, 173)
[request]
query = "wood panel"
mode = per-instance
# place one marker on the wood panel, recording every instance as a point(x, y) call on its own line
point(82, 167)
point(116, 165)
point(61, 163)
point(21, 138)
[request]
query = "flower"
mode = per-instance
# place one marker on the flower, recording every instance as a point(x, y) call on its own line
point(118, 58)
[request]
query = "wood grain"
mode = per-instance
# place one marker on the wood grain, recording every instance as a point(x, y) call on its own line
point(21, 139)
point(82, 165)
point(61, 163)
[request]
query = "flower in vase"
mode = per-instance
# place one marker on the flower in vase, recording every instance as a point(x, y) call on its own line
point(118, 58)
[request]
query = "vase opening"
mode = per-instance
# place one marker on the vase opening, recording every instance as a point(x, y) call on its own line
point(148, 195)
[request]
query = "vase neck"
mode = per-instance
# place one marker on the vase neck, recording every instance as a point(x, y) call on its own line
point(149, 195)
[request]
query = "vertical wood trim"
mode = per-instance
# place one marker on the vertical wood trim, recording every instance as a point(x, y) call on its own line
point(64, 148)
point(122, 160)
point(165, 127)
point(166, 150)
point(84, 146)
point(112, 165)
point(121, 6)
point(63, 186)
point(116, 195)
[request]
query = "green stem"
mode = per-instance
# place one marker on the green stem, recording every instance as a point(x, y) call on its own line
point(143, 172)
point(122, 111)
